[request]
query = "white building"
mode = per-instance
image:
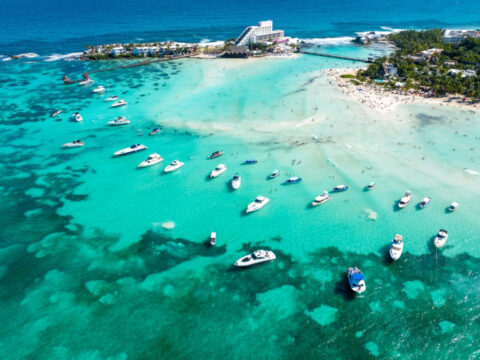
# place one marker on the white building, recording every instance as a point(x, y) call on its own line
point(263, 32)
point(455, 36)
point(145, 50)
point(464, 73)
point(118, 50)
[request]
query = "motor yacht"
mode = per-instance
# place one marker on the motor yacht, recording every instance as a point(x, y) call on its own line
point(152, 159)
point(73, 144)
point(86, 80)
point(425, 201)
point(250, 162)
point(371, 185)
point(259, 202)
point(216, 154)
point(154, 131)
point(396, 247)
point(257, 257)
point(119, 103)
point(274, 174)
point(321, 199)
point(236, 181)
point(121, 120)
point(453, 206)
point(99, 89)
point(340, 188)
point(174, 165)
point(441, 238)
point(213, 238)
point(356, 280)
point(293, 180)
point(76, 117)
point(407, 197)
point(111, 98)
point(220, 169)
point(130, 150)
point(55, 113)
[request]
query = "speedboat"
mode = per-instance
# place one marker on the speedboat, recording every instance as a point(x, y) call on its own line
point(396, 247)
point(236, 181)
point(257, 257)
point(55, 113)
point(216, 154)
point(340, 188)
point(152, 159)
point(86, 80)
point(76, 117)
point(321, 199)
point(407, 197)
point(441, 238)
point(213, 238)
point(220, 169)
point(274, 174)
point(174, 165)
point(293, 180)
point(121, 120)
point(111, 98)
point(119, 103)
point(73, 144)
point(99, 89)
point(154, 131)
point(259, 202)
point(250, 162)
point(356, 280)
point(371, 185)
point(425, 201)
point(453, 206)
point(129, 150)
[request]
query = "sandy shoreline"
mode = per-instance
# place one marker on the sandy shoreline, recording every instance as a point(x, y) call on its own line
point(385, 100)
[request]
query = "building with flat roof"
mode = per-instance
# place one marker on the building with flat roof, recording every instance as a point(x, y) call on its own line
point(263, 32)
point(456, 36)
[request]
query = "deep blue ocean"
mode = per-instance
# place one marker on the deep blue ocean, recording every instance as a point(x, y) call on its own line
point(62, 26)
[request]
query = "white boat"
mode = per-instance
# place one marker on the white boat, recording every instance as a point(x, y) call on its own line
point(441, 238)
point(425, 201)
point(213, 238)
point(152, 159)
point(86, 80)
point(55, 113)
point(129, 150)
point(236, 181)
point(259, 202)
point(356, 280)
point(453, 206)
point(111, 98)
point(257, 257)
point(220, 169)
point(73, 144)
point(407, 197)
point(274, 174)
point(371, 185)
point(99, 89)
point(321, 199)
point(119, 103)
point(76, 117)
point(174, 165)
point(121, 120)
point(396, 247)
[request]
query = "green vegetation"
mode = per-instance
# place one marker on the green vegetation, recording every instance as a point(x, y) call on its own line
point(347, 76)
point(430, 71)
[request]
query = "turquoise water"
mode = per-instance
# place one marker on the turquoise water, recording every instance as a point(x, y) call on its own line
point(88, 270)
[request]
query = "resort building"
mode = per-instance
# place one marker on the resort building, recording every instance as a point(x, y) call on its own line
point(263, 32)
point(145, 50)
point(463, 73)
point(427, 54)
point(118, 50)
point(455, 36)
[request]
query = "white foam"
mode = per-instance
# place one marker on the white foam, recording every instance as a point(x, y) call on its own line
point(211, 43)
point(26, 55)
point(472, 172)
point(330, 41)
point(55, 57)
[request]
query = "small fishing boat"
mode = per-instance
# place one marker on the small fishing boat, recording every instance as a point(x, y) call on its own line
point(371, 185)
point(236, 181)
point(425, 201)
point(220, 169)
point(76, 117)
point(321, 199)
point(55, 113)
point(257, 257)
point(119, 103)
point(130, 150)
point(86, 80)
point(152, 159)
point(293, 180)
point(259, 202)
point(121, 120)
point(216, 154)
point(340, 188)
point(453, 206)
point(174, 165)
point(154, 131)
point(250, 162)
point(356, 280)
point(213, 238)
point(67, 80)
point(441, 238)
point(99, 89)
point(112, 98)
point(274, 174)
point(396, 247)
point(73, 144)
point(406, 198)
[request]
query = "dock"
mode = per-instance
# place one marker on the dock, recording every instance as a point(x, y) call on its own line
point(369, 60)
point(140, 63)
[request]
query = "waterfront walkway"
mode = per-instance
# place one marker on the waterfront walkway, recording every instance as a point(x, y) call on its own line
point(141, 63)
point(305, 51)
